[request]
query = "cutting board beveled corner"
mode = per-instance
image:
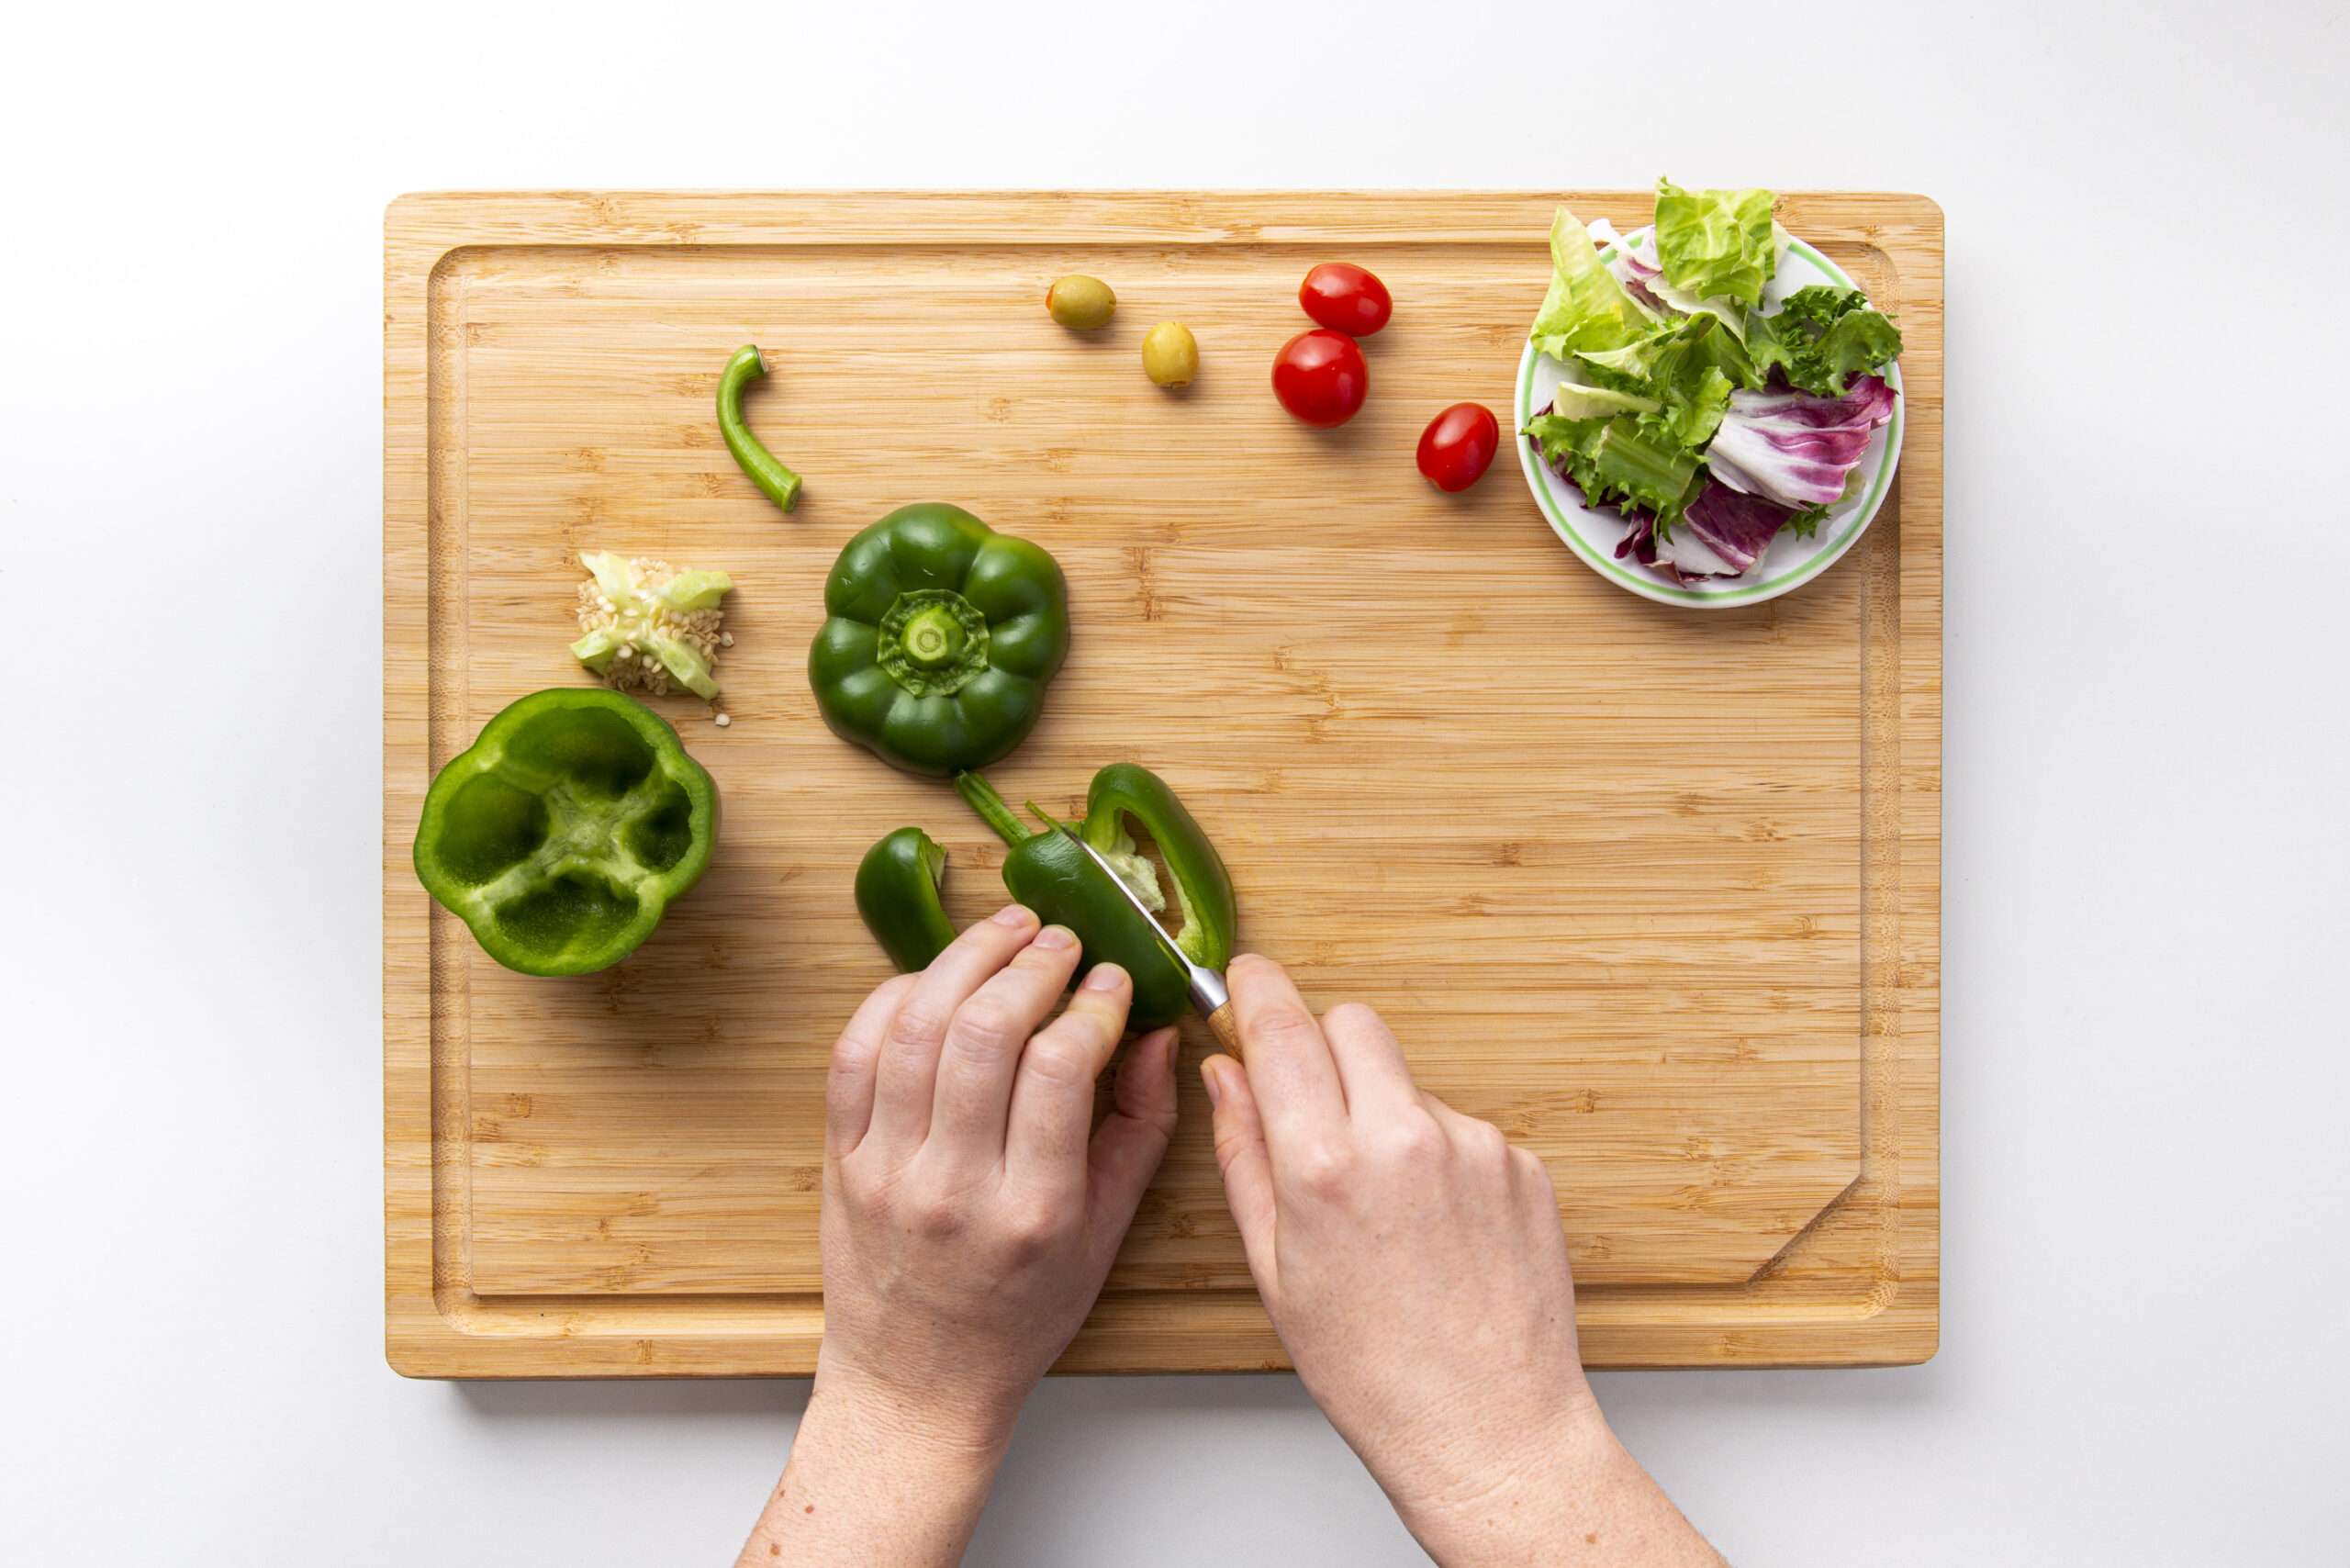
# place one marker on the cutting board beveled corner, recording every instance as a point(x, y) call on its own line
point(1656, 891)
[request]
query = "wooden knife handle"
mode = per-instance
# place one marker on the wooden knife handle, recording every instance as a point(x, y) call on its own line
point(1227, 1033)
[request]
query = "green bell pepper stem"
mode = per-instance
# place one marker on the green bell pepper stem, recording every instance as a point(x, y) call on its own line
point(563, 833)
point(897, 893)
point(980, 796)
point(766, 470)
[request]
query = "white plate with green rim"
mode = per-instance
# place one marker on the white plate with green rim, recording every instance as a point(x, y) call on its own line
point(1594, 532)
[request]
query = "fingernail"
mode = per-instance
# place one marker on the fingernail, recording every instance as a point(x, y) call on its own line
point(1014, 914)
point(1103, 976)
point(1055, 937)
point(1208, 1076)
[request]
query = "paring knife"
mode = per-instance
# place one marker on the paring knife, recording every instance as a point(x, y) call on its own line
point(1208, 993)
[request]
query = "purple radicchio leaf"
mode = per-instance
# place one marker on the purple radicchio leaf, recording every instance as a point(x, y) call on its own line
point(1796, 449)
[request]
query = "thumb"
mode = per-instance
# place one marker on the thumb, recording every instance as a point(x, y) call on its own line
point(1240, 1158)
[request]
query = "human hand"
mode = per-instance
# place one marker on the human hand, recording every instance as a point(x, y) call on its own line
point(1416, 1269)
point(968, 1220)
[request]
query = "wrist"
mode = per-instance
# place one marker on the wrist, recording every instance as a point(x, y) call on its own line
point(1516, 1489)
point(941, 1425)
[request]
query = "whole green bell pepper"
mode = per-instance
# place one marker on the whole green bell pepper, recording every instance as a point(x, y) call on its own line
point(897, 893)
point(562, 832)
point(1064, 885)
point(941, 638)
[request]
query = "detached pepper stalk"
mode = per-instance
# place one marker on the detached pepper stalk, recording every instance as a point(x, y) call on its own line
point(766, 470)
point(1064, 885)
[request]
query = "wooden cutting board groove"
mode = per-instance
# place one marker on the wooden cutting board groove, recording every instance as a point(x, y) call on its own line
point(1657, 891)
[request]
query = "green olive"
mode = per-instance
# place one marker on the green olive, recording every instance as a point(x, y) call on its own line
point(1170, 354)
point(1081, 302)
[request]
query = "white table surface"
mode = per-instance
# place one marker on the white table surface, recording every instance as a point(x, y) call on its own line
point(2147, 776)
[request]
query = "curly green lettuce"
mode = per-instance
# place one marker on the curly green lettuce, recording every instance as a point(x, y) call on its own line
point(1822, 337)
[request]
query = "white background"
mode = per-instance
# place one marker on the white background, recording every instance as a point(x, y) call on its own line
point(2148, 781)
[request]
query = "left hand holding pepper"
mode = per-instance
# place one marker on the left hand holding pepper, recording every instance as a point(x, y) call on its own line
point(968, 1222)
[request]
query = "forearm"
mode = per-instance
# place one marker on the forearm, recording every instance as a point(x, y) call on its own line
point(875, 1480)
point(1585, 1499)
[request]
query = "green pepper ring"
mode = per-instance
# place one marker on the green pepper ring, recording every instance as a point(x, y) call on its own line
point(563, 834)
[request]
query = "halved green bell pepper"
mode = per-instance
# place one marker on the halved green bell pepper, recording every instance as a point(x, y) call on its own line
point(941, 638)
point(562, 832)
point(1065, 885)
point(897, 893)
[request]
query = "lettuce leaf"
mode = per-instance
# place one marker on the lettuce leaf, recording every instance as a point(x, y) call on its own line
point(1822, 337)
point(1692, 373)
point(1576, 402)
point(1716, 242)
point(1586, 308)
point(1615, 463)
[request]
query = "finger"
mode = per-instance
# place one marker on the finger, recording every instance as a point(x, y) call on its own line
point(1131, 1141)
point(1372, 1069)
point(1290, 1075)
point(1052, 1094)
point(906, 1080)
point(1242, 1161)
point(848, 1085)
point(984, 1041)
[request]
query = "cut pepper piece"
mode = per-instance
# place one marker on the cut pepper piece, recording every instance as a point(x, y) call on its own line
point(897, 885)
point(1203, 887)
point(561, 836)
point(1055, 877)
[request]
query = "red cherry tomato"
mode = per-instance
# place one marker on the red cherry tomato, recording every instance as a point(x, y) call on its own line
point(1320, 378)
point(1459, 446)
point(1345, 298)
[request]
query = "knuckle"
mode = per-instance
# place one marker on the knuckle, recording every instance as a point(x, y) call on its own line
point(1058, 1061)
point(1353, 1018)
point(1414, 1140)
point(918, 1024)
point(1031, 1230)
point(938, 1215)
point(843, 1077)
point(1484, 1144)
point(1283, 1021)
point(988, 1025)
point(1326, 1170)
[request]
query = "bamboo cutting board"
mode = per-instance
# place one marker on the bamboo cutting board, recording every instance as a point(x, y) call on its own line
point(1658, 891)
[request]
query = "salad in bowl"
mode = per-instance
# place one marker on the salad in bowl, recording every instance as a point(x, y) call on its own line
point(1711, 393)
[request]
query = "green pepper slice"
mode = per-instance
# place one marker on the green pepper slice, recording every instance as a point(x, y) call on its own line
point(1064, 885)
point(562, 832)
point(1203, 886)
point(780, 483)
point(897, 893)
point(941, 638)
